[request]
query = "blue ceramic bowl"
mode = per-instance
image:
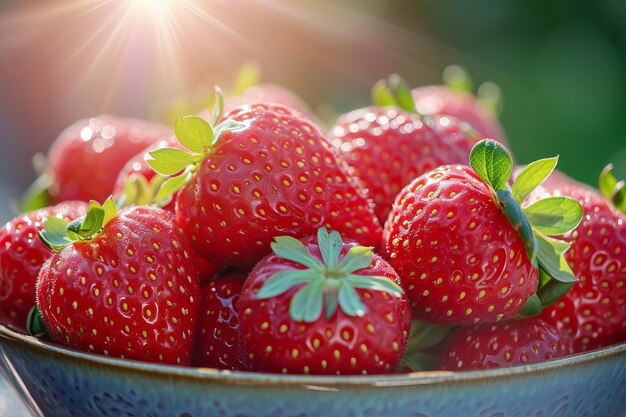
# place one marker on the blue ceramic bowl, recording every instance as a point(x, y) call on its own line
point(57, 382)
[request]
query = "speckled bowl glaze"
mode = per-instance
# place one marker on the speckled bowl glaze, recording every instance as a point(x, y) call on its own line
point(57, 382)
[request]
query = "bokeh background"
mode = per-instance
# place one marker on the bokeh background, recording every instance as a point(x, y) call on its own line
point(560, 65)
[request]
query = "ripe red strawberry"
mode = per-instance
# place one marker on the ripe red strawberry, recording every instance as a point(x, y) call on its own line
point(269, 93)
point(442, 100)
point(99, 146)
point(126, 286)
point(465, 249)
point(495, 345)
point(138, 184)
point(263, 172)
point(593, 312)
point(323, 306)
point(389, 147)
point(217, 339)
point(455, 99)
point(21, 255)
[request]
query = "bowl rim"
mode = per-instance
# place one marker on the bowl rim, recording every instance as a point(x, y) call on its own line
point(320, 382)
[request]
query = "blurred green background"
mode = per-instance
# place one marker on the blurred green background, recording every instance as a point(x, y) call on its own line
point(561, 65)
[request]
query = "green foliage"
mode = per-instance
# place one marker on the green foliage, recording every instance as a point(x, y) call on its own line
point(492, 162)
point(532, 176)
point(554, 215)
point(327, 284)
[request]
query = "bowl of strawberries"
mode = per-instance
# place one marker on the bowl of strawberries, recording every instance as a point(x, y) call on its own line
point(249, 263)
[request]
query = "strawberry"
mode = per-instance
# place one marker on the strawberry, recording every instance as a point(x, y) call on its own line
point(509, 343)
point(593, 312)
point(455, 99)
point(99, 146)
point(21, 255)
point(321, 305)
point(122, 284)
point(269, 93)
point(388, 147)
point(137, 183)
point(465, 249)
point(441, 100)
point(217, 340)
point(263, 172)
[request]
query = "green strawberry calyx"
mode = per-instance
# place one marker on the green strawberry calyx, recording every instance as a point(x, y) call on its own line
point(612, 189)
point(57, 233)
point(537, 223)
point(138, 191)
point(395, 92)
point(39, 194)
point(198, 137)
point(326, 284)
point(35, 325)
point(418, 355)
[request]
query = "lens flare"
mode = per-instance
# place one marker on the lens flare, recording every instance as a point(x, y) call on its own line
point(130, 55)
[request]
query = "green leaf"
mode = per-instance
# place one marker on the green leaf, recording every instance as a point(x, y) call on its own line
point(519, 221)
point(551, 259)
point(492, 162)
point(285, 280)
point(554, 215)
point(330, 245)
point(170, 161)
point(349, 300)
point(402, 93)
point(358, 257)
point(613, 189)
point(425, 335)
point(230, 125)
point(532, 176)
point(292, 249)
point(619, 196)
point(135, 192)
point(153, 189)
point(194, 133)
point(90, 224)
point(86, 227)
point(37, 195)
point(218, 107)
point(490, 98)
point(110, 211)
point(375, 283)
point(35, 325)
point(607, 181)
point(172, 185)
point(248, 76)
point(130, 190)
point(457, 79)
point(306, 305)
point(330, 303)
point(532, 307)
point(382, 96)
point(418, 361)
point(551, 290)
point(53, 234)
